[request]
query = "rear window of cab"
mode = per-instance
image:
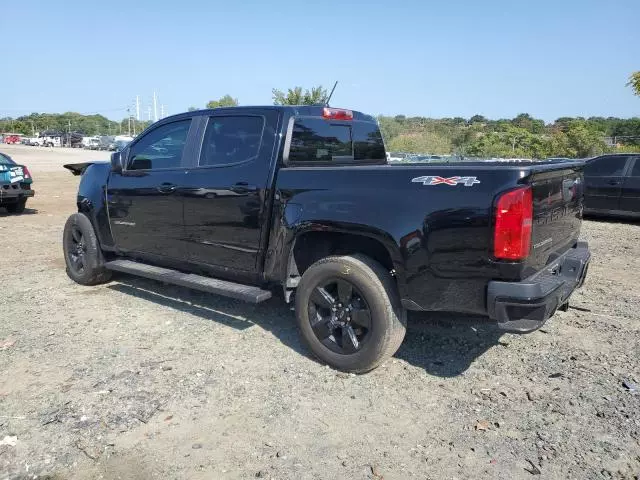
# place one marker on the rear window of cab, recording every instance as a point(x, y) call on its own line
point(4, 160)
point(317, 140)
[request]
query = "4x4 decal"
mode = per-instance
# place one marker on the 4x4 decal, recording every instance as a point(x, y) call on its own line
point(435, 180)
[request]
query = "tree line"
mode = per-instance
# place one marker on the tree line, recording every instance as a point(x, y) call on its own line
point(71, 121)
point(519, 137)
point(523, 136)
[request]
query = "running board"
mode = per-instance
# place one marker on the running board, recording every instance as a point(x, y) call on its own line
point(247, 293)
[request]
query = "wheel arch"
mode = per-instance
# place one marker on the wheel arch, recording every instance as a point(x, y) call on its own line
point(92, 202)
point(311, 244)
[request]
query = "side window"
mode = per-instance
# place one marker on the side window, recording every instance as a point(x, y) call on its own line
point(606, 166)
point(232, 139)
point(635, 172)
point(160, 148)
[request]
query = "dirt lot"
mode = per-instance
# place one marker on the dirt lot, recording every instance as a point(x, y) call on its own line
point(136, 379)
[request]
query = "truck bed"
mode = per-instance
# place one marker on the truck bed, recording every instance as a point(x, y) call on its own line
point(438, 219)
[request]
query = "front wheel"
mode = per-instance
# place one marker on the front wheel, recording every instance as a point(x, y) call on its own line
point(349, 312)
point(82, 254)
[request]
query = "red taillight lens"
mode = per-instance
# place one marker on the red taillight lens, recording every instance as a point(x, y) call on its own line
point(26, 173)
point(337, 114)
point(514, 216)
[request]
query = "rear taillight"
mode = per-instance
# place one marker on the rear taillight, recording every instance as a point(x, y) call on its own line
point(26, 173)
point(513, 219)
point(337, 114)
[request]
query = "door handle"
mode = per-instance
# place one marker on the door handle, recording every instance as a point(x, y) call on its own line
point(243, 187)
point(167, 187)
point(613, 182)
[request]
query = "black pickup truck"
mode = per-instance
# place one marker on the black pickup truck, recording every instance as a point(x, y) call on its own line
point(245, 201)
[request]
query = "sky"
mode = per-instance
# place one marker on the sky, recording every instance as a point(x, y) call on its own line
point(496, 58)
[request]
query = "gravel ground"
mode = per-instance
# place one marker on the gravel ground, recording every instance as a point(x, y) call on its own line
point(140, 380)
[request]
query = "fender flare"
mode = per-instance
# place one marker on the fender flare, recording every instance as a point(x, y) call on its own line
point(385, 239)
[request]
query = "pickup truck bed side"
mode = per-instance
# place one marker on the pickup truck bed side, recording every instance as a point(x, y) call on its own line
point(437, 238)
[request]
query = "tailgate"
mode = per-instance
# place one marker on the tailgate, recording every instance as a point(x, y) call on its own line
point(557, 211)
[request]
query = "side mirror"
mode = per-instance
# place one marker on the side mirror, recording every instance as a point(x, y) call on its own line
point(117, 160)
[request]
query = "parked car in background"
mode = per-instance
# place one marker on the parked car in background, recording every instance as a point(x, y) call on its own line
point(15, 185)
point(396, 156)
point(51, 141)
point(120, 144)
point(612, 185)
point(12, 138)
point(121, 141)
point(106, 142)
point(35, 141)
point(72, 140)
point(92, 143)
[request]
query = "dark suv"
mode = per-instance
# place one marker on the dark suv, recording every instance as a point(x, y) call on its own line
point(612, 185)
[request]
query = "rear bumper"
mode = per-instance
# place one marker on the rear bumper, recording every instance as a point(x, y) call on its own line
point(524, 306)
point(12, 193)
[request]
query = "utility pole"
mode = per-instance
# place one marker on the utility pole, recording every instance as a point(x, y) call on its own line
point(137, 107)
point(155, 107)
point(162, 110)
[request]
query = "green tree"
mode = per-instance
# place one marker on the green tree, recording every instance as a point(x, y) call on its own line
point(426, 142)
point(584, 142)
point(295, 96)
point(477, 119)
point(191, 109)
point(463, 138)
point(226, 101)
point(526, 121)
point(634, 83)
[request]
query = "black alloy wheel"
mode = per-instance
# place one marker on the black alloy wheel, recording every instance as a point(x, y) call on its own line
point(82, 253)
point(340, 316)
point(77, 250)
point(349, 312)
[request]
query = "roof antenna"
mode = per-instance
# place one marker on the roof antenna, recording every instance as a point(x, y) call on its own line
point(326, 102)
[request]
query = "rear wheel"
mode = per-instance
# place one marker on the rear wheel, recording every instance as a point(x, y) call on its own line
point(17, 207)
point(349, 312)
point(82, 254)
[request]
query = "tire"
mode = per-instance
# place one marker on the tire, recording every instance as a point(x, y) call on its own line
point(16, 207)
point(373, 290)
point(82, 253)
